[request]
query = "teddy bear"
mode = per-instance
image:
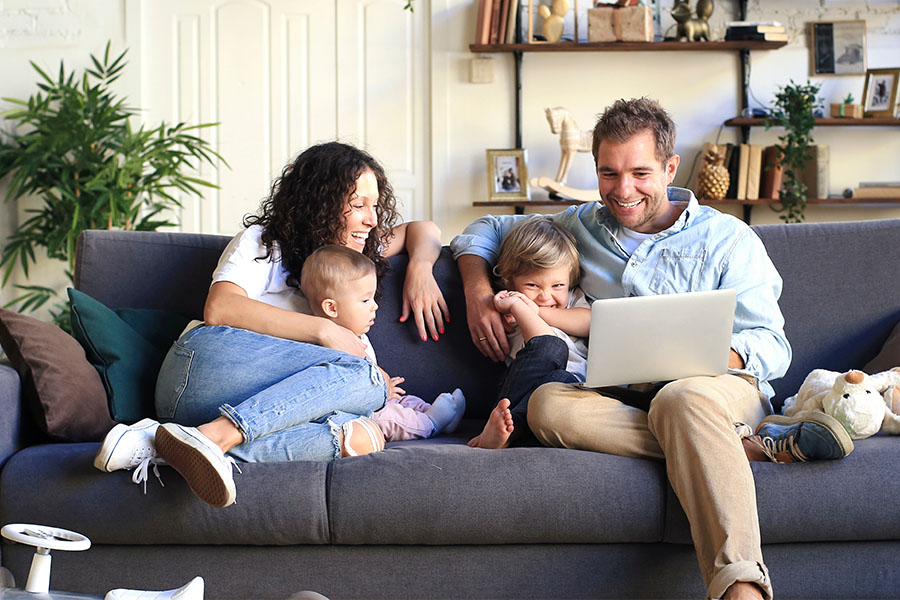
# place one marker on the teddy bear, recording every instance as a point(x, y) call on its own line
point(553, 19)
point(863, 404)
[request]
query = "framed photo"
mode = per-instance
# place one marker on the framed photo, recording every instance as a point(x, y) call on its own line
point(507, 175)
point(880, 92)
point(839, 48)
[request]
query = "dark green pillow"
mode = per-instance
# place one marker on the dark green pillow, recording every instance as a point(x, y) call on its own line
point(127, 347)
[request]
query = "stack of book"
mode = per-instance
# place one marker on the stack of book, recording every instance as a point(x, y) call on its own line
point(877, 189)
point(496, 22)
point(751, 31)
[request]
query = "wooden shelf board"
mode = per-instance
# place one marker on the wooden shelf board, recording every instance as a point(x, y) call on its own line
point(826, 122)
point(624, 46)
point(563, 203)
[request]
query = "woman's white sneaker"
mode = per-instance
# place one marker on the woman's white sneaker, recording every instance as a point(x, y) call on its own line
point(200, 461)
point(127, 446)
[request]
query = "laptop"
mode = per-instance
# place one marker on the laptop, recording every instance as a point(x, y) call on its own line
point(645, 339)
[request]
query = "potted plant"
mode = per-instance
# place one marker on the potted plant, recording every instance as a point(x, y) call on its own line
point(793, 110)
point(74, 147)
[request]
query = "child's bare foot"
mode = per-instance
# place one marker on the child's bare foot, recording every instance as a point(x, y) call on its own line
point(497, 430)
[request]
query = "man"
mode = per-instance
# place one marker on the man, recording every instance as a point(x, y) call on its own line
point(647, 238)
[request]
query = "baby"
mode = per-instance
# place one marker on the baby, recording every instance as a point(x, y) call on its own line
point(340, 284)
point(538, 270)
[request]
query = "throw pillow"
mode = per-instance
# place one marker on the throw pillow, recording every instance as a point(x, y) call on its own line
point(60, 388)
point(889, 357)
point(126, 346)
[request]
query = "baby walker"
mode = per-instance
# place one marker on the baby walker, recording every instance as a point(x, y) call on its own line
point(45, 539)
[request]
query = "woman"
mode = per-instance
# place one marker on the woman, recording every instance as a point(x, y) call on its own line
point(262, 378)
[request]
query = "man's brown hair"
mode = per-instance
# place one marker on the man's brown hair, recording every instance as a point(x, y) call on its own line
point(626, 118)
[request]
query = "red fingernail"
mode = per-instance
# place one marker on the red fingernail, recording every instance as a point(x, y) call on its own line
point(424, 339)
point(435, 338)
point(442, 330)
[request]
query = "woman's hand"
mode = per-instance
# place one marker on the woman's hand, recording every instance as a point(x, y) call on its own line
point(340, 338)
point(423, 298)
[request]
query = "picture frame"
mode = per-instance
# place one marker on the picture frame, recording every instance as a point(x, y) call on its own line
point(507, 175)
point(880, 92)
point(839, 47)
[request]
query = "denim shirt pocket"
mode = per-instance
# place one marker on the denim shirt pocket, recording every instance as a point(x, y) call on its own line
point(678, 270)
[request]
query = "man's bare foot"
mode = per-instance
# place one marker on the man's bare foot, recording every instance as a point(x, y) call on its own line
point(743, 590)
point(497, 430)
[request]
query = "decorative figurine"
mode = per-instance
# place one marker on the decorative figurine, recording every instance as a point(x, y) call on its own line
point(713, 179)
point(553, 19)
point(689, 29)
point(571, 139)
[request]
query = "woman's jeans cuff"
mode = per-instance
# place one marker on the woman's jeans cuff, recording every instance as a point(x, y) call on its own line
point(227, 411)
point(743, 571)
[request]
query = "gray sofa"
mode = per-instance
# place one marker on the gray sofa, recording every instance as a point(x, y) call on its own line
point(436, 519)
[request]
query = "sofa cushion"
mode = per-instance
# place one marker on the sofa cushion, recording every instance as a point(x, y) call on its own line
point(277, 503)
point(850, 499)
point(440, 491)
point(127, 347)
point(62, 391)
point(888, 357)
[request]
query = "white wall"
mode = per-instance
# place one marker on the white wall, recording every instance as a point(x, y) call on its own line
point(700, 89)
point(47, 31)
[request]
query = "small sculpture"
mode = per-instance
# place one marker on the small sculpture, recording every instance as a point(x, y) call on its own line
point(690, 30)
point(571, 139)
point(553, 19)
point(713, 179)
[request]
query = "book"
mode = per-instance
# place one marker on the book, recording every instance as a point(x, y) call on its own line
point(513, 21)
point(772, 174)
point(756, 28)
point(754, 24)
point(483, 31)
point(756, 37)
point(502, 25)
point(495, 21)
point(743, 165)
point(732, 166)
point(754, 171)
point(815, 173)
point(877, 192)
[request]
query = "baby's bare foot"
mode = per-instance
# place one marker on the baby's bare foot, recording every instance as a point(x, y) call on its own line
point(497, 430)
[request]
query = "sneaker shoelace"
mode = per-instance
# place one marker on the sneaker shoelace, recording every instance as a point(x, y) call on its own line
point(141, 472)
point(772, 447)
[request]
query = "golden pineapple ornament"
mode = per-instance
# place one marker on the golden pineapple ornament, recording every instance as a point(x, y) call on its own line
point(713, 180)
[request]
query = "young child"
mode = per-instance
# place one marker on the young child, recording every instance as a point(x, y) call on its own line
point(538, 270)
point(340, 284)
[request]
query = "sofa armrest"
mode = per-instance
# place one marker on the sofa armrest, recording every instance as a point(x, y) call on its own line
point(12, 420)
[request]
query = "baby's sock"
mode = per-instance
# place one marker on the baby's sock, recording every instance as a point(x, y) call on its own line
point(446, 411)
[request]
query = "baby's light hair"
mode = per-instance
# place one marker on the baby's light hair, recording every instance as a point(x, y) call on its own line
point(328, 268)
point(537, 244)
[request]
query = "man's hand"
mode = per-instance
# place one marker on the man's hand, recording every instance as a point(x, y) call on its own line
point(486, 325)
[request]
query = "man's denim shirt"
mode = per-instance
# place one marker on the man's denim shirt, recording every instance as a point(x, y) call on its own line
point(703, 250)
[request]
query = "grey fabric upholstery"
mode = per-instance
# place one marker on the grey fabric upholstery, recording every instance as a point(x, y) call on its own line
point(436, 519)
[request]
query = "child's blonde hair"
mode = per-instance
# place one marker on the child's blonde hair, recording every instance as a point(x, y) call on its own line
point(328, 268)
point(538, 243)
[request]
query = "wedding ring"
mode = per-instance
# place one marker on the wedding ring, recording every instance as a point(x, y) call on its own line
point(482, 339)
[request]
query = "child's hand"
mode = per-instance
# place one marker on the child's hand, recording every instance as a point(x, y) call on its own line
point(527, 301)
point(393, 383)
point(503, 301)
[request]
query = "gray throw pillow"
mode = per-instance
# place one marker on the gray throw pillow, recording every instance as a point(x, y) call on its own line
point(889, 357)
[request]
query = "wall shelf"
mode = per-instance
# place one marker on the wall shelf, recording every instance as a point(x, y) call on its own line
point(521, 206)
point(824, 122)
point(625, 46)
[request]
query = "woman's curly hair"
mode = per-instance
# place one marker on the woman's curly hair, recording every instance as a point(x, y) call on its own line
point(307, 203)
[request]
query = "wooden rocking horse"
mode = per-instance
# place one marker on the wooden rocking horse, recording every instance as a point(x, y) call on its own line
point(571, 139)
